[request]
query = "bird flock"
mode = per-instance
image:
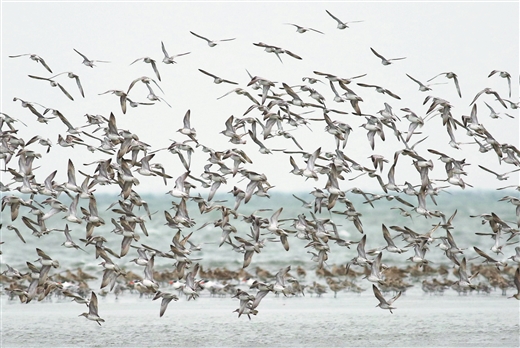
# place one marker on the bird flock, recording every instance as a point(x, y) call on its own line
point(277, 110)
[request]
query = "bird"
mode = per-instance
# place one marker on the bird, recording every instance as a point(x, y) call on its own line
point(277, 50)
point(69, 243)
point(187, 129)
point(391, 247)
point(53, 84)
point(422, 86)
point(170, 59)
point(211, 43)
point(502, 176)
point(35, 58)
point(385, 61)
point(384, 304)
point(217, 79)
point(72, 75)
point(505, 75)
point(380, 90)
point(489, 259)
point(266, 85)
point(302, 30)
point(166, 299)
point(489, 91)
point(88, 62)
point(309, 171)
point(93, 310)
point(341, 24)
point(450, 75)
point(517, 284)
point(152, 62)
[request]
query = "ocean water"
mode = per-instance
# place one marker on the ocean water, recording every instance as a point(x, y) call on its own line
point(272, 256)
point(350, 319)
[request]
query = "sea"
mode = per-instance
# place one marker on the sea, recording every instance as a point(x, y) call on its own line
point(273, 256)
point(347, 319)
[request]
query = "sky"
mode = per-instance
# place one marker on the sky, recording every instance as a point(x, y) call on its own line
point(468, 38)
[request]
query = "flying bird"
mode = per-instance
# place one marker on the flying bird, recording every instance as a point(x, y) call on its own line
point(87, 61)
point(450, 75)
point(384, 304)
point(505, 75)
point(170, 59)
point(36, 58)
point(301, 30)
point(385, 61)
point(211, 43)
point(152, 62)
point(341, 24)
point(53, 84)
point(217, 79)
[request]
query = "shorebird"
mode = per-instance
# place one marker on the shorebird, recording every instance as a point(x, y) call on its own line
point(69, 243)
point(187, 129)
point(35, 58)
point(361, 259)
point(489, 91)
point(53, 84)
point(122, 98)
point(217, 79)
point(500, 177)
point(384, 304)
point(166, 299)
point(341, 24)
point(489, 259)
point(464, 281)
point(493, 114)
point(279, 286)
point(517, 284)
point(385, 61)
point(211, 43)
point(71, 75)
point(310, 171)
point(93, 310)
point(266, 84)
point(302, 30)
point(376, 274)
point(380, 89)
point(391, 247)
point(87, 61)
point(503, 74)
point(152, 62)
point(450, 75)
point(170, 59)
point(148, 281)
point(277, 50)
point(422, 86)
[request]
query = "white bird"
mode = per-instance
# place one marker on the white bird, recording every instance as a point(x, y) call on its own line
point(211, 43)
point(93, 310)
point(341, 24)
point(385, 304)
point(385, 61)
point(53, 84)
point(166, 299)
point(217, 79)
point(152, 62)
point(302, 30)
point(35, 58)
point(87, 61)
point(505, 75)
point(499, 176)
point(450, 75)
point(170, 59)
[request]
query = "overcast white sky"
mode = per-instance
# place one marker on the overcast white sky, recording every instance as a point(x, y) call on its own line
point(470, 39)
